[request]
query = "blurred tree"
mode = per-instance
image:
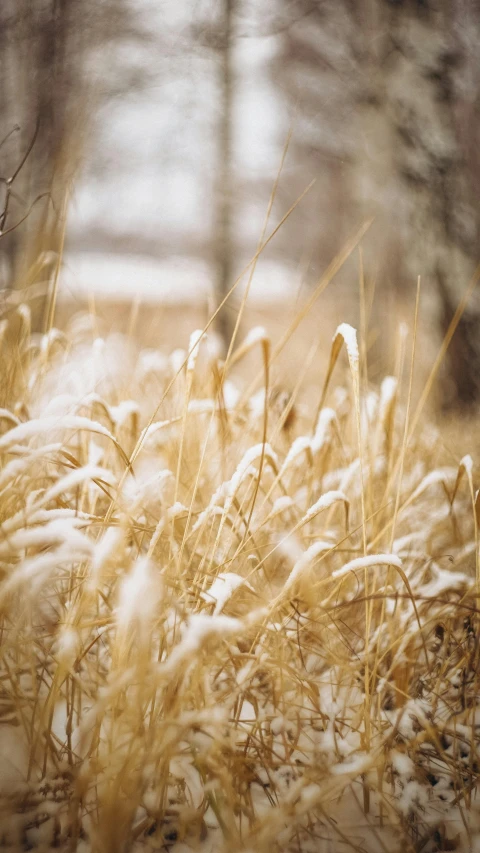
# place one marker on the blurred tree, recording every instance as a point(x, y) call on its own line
point(316, 70)
point(390, 87)
point(216, 34)
point(424, 82)
point(223, 247)
point(50, 73)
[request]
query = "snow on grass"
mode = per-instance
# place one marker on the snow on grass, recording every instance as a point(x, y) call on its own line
point(368, 562)
point(197, 652)
point(222, 589)
point(325, 502)
point(349, 335)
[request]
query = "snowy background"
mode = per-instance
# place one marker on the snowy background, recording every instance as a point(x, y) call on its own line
point(141, 220)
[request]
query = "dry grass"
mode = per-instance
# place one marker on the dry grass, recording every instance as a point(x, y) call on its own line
point(232, 618)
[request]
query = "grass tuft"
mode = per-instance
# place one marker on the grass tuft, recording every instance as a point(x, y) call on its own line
point(233, 616)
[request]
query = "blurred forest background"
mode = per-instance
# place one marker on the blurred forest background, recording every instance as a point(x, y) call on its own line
point(142, 138)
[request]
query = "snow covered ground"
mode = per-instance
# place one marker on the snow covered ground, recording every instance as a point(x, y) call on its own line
point(173, 280)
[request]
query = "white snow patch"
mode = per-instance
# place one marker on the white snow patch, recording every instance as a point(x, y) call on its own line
point(256, 335)
point(349, 335)
point(324, 502)
point(194, 348)
point(368, 562)
point(223, 588)
point(306, 560)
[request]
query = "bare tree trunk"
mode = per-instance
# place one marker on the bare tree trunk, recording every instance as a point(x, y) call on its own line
point(424, 67)
point(11, 137)
point(393, 85)
point(415, 168)
point(224, 187)
point(39, 57)
point(46, 81)
point(60, 133)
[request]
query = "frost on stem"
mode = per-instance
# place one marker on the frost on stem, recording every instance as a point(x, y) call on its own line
point(223, 588)
point(368, 562)
point(349, 335)
point(306, 561)
point(324, 502)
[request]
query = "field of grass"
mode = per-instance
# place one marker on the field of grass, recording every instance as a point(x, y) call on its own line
point(238, 597)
